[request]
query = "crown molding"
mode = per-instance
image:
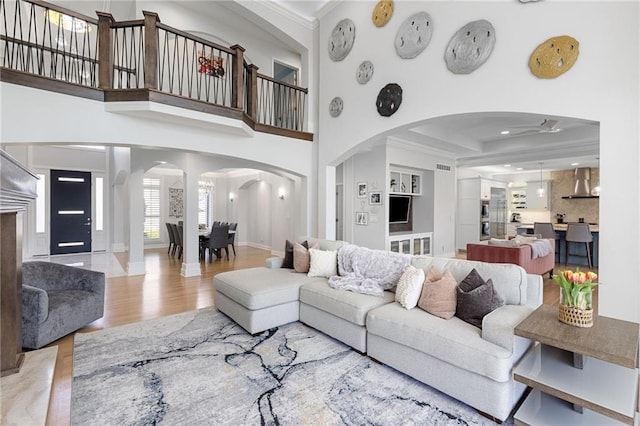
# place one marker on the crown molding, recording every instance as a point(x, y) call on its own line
point(310, 24)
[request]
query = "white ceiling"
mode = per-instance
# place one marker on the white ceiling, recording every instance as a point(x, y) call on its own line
point(477, 142)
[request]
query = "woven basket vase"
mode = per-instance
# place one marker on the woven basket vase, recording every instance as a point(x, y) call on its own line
point(575, 316)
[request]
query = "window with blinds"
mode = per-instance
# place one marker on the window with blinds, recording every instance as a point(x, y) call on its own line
point(151, 208)
point(205, 203)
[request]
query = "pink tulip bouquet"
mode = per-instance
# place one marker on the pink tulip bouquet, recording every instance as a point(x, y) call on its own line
point(576, 288)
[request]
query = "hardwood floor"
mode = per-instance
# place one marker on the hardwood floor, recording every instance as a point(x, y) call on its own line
point(163, 291)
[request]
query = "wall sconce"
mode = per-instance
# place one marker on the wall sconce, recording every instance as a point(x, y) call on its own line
point(281, 193)
point(231, 197)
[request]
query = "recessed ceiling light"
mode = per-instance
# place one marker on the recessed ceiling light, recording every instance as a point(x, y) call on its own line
point(575, 164)
point(507, 165)
point(519, 168)
point(504, 132)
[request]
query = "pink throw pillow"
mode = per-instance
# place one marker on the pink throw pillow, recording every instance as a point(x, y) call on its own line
point(439, 295)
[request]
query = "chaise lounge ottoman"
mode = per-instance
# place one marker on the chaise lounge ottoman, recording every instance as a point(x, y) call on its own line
point(260, 298)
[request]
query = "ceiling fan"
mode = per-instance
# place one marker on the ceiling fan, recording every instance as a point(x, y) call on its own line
point(547, 126)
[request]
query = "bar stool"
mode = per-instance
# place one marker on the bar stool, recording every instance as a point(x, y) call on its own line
point(545, 229)
point(578, 233)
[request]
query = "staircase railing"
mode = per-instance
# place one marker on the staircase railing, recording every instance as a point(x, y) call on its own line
point(53, 42)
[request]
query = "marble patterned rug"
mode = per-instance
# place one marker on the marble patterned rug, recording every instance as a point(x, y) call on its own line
point(201, 368)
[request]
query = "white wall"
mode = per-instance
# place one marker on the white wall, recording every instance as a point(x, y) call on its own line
point(213, 21)
point(593, 89)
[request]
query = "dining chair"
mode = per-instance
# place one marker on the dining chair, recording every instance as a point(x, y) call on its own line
point(232, 237)
point(219, 239)
point(578, 233)
point(545, 230)
point(180, 240)
point(172, 238)
point(176, 238)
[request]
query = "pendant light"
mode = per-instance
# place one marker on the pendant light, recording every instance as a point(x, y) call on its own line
point(540, 190)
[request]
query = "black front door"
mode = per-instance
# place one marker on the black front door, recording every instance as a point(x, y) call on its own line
point(70, 212)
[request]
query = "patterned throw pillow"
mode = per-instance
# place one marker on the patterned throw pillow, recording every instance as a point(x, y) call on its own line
point(324, 263)
point(439, 296)
point(476, 298)
point(409, 287)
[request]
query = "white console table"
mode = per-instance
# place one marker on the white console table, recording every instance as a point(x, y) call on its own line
point(415, 244)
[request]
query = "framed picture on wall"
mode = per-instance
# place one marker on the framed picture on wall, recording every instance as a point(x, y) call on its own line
point(362, 218)
point(362, 190)
point(375, 198)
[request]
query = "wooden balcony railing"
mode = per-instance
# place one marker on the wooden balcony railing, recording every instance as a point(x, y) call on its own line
point(142, 60)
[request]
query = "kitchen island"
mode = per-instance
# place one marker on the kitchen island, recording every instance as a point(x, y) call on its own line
point(574, 248)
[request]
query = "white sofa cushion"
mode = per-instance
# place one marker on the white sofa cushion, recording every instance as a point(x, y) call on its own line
point(350, 306)
point(259, 288)
point(453, 341)
point(509, 281)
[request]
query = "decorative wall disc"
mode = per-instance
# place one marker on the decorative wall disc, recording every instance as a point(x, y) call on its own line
point(470, 47)
point(414, 35)
point(382, 13)
point(554, 57)
point(365, 72)
point(335, 107)
point(342, 39)
point(389, 99)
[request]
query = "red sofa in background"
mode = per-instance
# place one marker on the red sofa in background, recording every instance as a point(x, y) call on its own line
point(518, 255)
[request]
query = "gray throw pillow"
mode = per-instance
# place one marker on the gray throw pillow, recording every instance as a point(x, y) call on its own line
point(476, 298)
point(287, 262)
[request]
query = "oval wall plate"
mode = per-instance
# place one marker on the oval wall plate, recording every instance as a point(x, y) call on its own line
point(554, 57)
point(364, 72)
point(414, 35)
point(341, 39)
point(470, 47)
point(335, 107)
point(382, 13)
point(389, 99)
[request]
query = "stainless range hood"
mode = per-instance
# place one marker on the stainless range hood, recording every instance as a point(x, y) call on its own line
point(582, 184)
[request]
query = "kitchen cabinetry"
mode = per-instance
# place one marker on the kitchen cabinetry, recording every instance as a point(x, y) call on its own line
point(474, 222)
point(405, 182)
point(535, 202)
point(415, 244)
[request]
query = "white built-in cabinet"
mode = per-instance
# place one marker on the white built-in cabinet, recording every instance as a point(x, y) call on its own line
point(414, 244)
point(405, 182)
point(471, 193)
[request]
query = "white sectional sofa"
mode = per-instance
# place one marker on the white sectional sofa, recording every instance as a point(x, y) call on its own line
point(471, 364)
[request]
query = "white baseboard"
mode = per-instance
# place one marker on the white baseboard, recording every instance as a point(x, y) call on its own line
point(190, 270)
point(119, 247)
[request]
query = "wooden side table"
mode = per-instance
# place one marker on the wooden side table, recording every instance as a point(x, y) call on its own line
point(571, 368)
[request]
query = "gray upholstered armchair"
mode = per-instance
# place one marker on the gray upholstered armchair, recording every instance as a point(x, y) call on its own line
point(57, 300)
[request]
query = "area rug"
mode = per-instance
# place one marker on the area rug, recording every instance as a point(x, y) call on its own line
point(201, 368)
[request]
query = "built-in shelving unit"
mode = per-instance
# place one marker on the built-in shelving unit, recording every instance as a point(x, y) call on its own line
point(404, 182)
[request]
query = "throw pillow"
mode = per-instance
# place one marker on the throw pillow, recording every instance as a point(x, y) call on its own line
point(409, 287)
point(525, 238)
point(476, 298)
point(301, 257)
point(439, 295)
point(287, 262)
point(323, 263)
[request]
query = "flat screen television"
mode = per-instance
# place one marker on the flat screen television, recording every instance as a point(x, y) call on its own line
point(399, 208)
